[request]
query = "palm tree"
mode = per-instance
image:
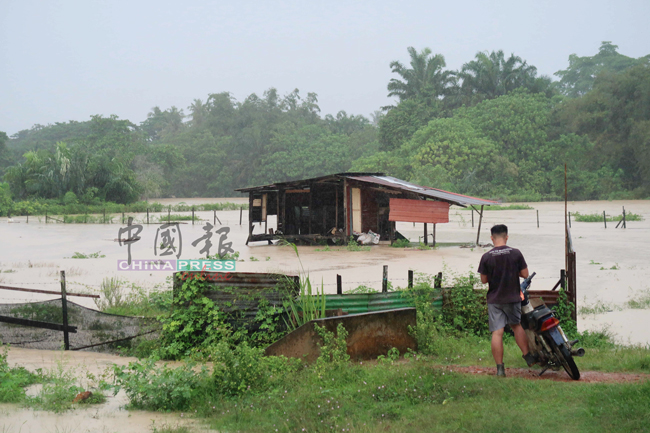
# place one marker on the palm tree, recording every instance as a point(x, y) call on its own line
point(425, 78)
point(491, 75)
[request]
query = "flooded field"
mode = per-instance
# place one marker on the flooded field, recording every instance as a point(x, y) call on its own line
point(612, 269)
point(612, 264)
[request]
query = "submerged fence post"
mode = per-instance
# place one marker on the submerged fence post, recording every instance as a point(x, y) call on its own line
point(604, 219)
point(192, 215)
point(438, 281)
point(384, 280)
point(410, 278)
point(241, 211)
point(537, 218)
point(147, 215)
point(27, 217)
point(339, 285)
point(45, 217)
point(569, 219)
point(624, 219)
point(426, 240)
point(104, 216)
point(64, 310)
point(122, 217)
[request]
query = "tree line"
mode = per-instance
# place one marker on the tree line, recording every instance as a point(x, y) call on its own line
point(493, 128)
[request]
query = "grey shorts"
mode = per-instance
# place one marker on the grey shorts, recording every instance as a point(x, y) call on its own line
point(504, 314)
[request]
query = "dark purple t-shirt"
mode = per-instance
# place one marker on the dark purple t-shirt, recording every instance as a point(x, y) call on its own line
point(502, 266)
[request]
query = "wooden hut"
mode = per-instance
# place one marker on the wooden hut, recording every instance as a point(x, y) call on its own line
point(343, 204)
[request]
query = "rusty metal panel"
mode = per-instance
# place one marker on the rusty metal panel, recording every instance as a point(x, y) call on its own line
point(549, 297)
point(418, 211)
point(369, 335)
point(239, 293)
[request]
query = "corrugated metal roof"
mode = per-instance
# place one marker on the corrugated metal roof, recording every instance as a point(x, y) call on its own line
point(434, 193)
point(383, 180)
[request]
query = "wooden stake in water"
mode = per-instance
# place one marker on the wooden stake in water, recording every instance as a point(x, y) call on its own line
point(192, 215)
point(384, 280)
point(604, 219)
point(339, 285)
point(64, 310)
point(241, 211)
point(410, 278)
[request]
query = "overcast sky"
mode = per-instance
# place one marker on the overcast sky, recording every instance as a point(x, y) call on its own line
point(68, 60)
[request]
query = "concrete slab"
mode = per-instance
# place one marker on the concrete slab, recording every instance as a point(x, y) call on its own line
point(369, 335)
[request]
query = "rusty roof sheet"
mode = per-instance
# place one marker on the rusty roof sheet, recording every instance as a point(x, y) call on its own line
point(386, 181)
point(437, 194)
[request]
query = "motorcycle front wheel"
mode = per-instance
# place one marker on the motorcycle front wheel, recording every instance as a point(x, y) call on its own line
point(566, 359)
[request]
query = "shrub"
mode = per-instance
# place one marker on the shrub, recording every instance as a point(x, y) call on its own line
point(160, 388)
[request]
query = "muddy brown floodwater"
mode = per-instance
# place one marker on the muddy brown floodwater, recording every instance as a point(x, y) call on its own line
point(612, 264)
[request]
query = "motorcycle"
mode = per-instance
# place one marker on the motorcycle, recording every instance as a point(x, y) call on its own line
point(546, 340)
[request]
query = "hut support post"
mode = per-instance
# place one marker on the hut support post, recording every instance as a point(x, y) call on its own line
point(480, 220)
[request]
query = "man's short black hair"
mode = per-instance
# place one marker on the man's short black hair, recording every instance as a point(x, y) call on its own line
point(499, 230)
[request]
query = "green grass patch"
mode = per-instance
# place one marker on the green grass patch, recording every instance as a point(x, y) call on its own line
point(401, 243)
point(509, 207)
point(78, 255)
point(598, 217)
point(177, 217)
point(81, 211)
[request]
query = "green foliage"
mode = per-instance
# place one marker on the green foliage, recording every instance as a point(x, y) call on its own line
point(310, 303)
point(401, 243)
point(640, 300)
point(333, 348)
point(355, 246)
point(13, 380)
point(464, 307)
point(510, 207)
point(578, 79)
point(78, 255)
point(597, 217)
point(244, 369)
point(563, 311)
point(194, 323)
point(160, 388)
point(361, 290)
point(6, 203)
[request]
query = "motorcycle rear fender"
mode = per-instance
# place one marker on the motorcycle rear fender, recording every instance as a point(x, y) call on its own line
point(535, 318)
point(555, 336)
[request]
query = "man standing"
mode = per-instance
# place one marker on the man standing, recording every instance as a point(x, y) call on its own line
point(501, 268)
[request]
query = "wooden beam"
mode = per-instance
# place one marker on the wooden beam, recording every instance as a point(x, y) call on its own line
point(47, 292)
point(250, 217)
point(37, 324)
point(480, 220)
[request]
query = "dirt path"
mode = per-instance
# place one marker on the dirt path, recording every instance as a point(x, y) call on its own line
point(557, 376)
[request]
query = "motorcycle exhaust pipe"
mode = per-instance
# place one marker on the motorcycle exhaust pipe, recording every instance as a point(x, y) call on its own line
point(578, 352)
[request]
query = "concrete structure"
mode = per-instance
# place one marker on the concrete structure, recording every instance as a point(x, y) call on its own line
point(369, 335)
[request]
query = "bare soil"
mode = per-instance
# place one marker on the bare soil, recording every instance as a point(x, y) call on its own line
point(556, 376)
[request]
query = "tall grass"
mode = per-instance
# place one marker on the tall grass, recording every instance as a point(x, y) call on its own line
point(310, 303)
point(598, 217)
point(509, 207)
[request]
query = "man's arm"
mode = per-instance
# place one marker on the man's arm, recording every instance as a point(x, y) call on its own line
point(484, 278)
point(523, 274)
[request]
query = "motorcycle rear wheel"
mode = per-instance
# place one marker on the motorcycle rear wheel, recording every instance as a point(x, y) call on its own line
point(566, 359)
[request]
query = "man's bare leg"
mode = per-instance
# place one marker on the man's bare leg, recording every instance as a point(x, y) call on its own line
point(497, 345)
point(520, 338)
